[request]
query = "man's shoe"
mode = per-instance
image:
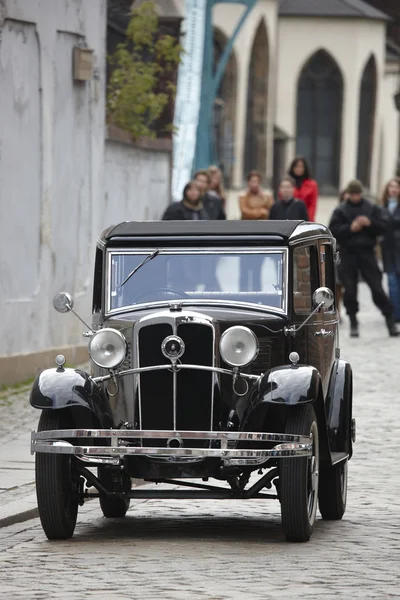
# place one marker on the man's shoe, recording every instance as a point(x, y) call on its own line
point(391, 325)
point(354, 327)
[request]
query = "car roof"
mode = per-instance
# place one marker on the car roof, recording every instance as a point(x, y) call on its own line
point(267, 231)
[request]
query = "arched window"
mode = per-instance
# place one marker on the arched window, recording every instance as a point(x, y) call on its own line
point(366, 122)
point(319, 118)
point(225, 110)
point(257, 101)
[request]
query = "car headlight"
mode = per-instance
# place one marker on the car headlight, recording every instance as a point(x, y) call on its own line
point(238, 346)
point(107, 348)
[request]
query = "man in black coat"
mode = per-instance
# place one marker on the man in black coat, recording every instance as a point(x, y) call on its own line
point(288, 207)
point(356, 224)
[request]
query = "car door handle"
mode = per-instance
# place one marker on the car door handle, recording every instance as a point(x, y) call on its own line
point(324, 333)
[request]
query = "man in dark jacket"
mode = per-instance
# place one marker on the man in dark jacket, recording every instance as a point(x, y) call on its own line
point(355, 224)
point(288, 207)
point(212, 204)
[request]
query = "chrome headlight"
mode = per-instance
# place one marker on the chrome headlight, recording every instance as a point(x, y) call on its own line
point(107, 348)
point(238, 346)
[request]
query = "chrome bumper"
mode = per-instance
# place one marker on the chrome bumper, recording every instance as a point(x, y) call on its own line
point(55, 442)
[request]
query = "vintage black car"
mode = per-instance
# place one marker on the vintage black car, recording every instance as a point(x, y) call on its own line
point(215, 354)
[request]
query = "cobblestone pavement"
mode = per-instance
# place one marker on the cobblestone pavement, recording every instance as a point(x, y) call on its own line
point(227, 550)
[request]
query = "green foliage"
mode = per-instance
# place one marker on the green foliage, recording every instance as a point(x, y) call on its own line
point(136, 96)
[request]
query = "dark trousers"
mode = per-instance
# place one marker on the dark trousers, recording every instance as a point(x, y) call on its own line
point(363, 261)
point(394, 291)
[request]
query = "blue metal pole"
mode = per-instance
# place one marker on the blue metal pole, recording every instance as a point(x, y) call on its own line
point(204, 155)
point(203, 146)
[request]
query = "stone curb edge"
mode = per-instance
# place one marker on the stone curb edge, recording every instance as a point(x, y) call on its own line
point(33, 513)
point(21, 517)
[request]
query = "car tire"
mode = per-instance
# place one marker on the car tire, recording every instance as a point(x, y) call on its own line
point(299, 479)
point(333, 492)
point(112, 508)
point(57, 486)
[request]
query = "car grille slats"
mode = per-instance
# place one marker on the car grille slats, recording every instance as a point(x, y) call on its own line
point(193, 396)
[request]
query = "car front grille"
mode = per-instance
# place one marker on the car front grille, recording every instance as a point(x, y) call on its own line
point(180, 401)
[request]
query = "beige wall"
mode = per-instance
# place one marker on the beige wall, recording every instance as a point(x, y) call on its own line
point(389, 128)
point(350, 42)
point(226, 17)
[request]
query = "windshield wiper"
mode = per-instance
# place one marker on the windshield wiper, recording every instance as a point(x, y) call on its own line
point(140, 265)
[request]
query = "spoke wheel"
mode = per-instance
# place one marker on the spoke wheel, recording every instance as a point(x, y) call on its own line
point(113, 508)
point(57, 485)
point(333, 492)
point(299, 479)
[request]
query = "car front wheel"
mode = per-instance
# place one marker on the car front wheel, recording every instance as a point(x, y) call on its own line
point(299, 479)
point(57, 484)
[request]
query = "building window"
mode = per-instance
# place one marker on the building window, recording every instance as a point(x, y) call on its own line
point(366, 122)
point(319, 118)
point(255, 156)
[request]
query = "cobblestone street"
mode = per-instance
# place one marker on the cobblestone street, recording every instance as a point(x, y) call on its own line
point(226, 550)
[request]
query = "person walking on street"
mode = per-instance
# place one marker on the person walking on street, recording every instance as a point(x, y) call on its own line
point(255, 204)
point(216, 188)
point(288, 207)
point(339, 285)
point(391, 243)
point(190, 208)
point(356, 224)
point(212, 204)
point(306, 187)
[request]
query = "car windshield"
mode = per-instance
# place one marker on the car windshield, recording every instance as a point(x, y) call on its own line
point(254, 277)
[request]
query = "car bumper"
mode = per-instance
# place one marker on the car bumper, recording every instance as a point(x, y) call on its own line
point(130, 443)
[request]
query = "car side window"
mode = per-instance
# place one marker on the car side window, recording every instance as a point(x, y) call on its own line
point(304, 279)
point(327, 274)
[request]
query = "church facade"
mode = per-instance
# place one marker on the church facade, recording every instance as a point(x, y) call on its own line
point(320, 82)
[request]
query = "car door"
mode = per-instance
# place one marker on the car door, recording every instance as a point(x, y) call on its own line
point(329, 331)
point(308, 342)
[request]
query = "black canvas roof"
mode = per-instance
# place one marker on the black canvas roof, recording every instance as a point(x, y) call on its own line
point(330, 8)
point(127, 229)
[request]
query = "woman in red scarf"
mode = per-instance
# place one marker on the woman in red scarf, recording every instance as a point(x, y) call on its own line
point(306, 187)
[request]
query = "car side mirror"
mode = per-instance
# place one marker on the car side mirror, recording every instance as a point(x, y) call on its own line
point(63, 302)
point(324, 298)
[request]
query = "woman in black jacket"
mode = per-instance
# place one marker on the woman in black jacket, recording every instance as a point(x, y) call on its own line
point(190, 208)
point(391, 242)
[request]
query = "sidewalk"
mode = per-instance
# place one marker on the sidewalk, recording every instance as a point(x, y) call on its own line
point(17, 477)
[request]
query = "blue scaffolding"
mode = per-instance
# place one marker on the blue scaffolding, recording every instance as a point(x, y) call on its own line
point(205, 154)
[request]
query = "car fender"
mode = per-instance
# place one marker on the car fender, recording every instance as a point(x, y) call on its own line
point(71, 389)
point(289, 385)
point(283, 388)
point(338, 407)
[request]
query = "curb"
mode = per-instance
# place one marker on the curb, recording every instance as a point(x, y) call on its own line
point(25, 515)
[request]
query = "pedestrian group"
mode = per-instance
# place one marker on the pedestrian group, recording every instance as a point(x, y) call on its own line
point(358, 225)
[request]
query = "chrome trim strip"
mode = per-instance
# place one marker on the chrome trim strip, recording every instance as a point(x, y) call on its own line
point(174, 393)
point(100, 460)
point(281, 451)
point(224, 436)
point(178, 368)
point(197, 301)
